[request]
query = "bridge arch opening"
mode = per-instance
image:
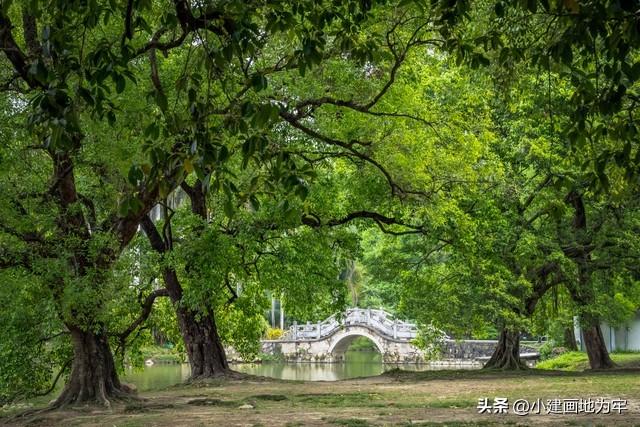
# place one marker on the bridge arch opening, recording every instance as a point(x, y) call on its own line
point(339, 348)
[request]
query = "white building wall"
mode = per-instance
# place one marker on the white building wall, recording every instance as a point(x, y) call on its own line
point(633, 334)
point(623, 338)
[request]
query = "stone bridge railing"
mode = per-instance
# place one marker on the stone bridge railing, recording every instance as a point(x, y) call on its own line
point(378, 320)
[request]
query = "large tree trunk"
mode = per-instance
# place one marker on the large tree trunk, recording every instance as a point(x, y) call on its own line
point(584, 293)
point(206, 354)
point(205, 351)
point(507, 353)
point(204, 347)
point(570, 339)
point(93, 376)
point(596, 347)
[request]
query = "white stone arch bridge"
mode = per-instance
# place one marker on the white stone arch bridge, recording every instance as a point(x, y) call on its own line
point(327, 341)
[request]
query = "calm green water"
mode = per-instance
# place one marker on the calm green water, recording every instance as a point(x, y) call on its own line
point(357, 364)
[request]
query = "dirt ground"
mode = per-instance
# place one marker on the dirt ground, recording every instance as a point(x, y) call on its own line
point(395, 399)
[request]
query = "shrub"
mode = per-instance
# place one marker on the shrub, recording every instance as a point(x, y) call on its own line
point(546, 350)
point(274, 333)
point(429, 340)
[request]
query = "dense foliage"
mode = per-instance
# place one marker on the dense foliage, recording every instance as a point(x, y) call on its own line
point(168, 166)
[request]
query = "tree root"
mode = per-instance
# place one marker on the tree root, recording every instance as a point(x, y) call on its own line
point(74, 397)
point(506, 356)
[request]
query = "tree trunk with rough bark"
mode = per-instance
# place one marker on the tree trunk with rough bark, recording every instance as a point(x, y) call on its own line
point(93, 377)
point(205, 351)
point(592, 334)
point(207, 357)
point(507, 353)
point(202, 342)
point(583, 292)
point(596, 348)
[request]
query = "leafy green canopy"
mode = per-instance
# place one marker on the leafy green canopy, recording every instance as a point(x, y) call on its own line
point(587, 50)
point(501, 237)
point(116, 103)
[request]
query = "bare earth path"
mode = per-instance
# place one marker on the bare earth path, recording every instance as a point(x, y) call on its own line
point(394, 399)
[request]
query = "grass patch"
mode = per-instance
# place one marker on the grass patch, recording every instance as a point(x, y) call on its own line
point(427, 398)
point(465, 374)
point(133, 423)
point(571, 361)
point(578, 361)
point(270, 397)
point(452, 403)
point(372, 400)
point(451, 424)
point(213, 402)
point(266, 357)
point(140, 407)
point(349, 422)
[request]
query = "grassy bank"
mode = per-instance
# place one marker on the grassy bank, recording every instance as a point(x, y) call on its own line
point(398, 398)
point(578, 361)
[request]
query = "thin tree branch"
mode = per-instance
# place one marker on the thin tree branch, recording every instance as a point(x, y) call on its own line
point(313, 220)
point(13, 52)
point(144, 315)
point(55, 380)
point(154, 237)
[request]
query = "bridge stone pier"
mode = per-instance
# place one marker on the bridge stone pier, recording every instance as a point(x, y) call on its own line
point(328, 341)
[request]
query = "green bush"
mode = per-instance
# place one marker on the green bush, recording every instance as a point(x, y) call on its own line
point(546, 350)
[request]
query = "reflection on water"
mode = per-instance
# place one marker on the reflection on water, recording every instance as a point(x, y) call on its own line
point(157, 376)
point(357, 364)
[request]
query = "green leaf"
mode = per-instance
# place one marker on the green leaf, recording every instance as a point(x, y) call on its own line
point(635, 71)
point(302, 191)
point(259, 82)
point(255, 204)
point(120, 82)
point(152, 131)
point(161, 100)
point(124, 208)
point(229, 209)
point(135, 175)
point(86, 95)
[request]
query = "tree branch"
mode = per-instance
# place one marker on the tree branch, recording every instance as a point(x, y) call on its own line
point(153, 235)
point(13, 52)
point(293, 121)
point(128, 30)
point(30, 31)
point(313, 220)
point(534, 193)
point(155, 78)
point(144, 315)
point(234, 295)
point(55, 380)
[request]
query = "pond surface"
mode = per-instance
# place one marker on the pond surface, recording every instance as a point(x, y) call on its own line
point(357, 364)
